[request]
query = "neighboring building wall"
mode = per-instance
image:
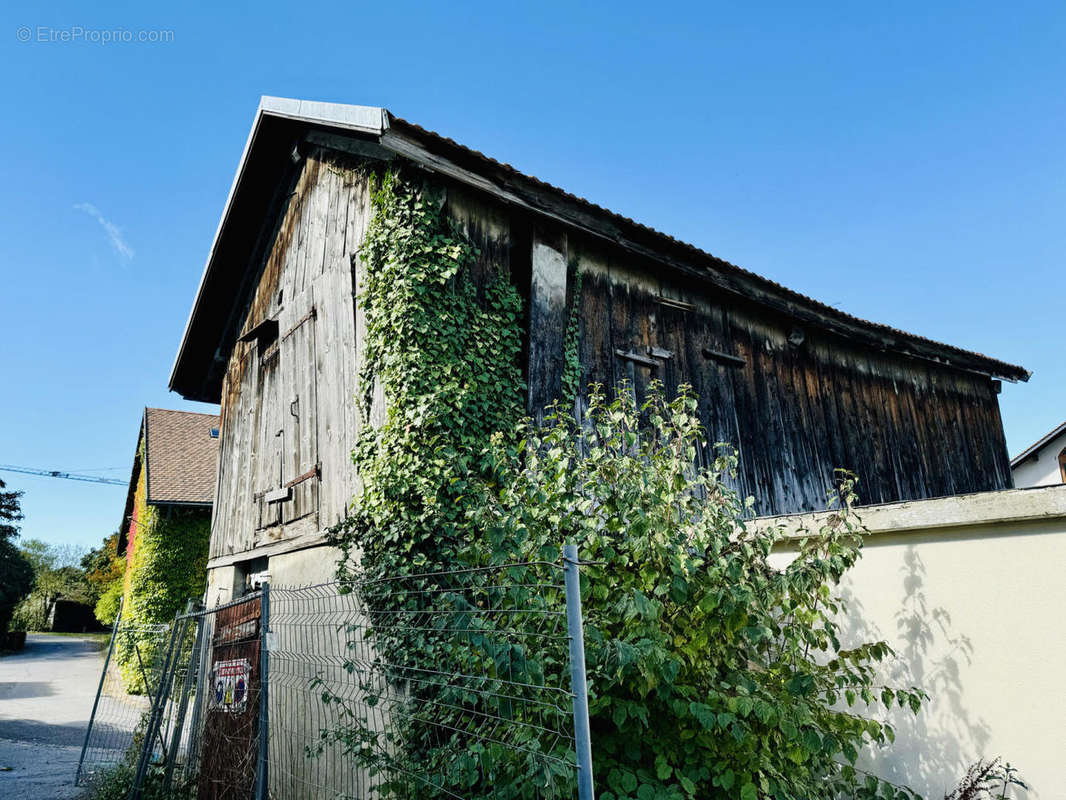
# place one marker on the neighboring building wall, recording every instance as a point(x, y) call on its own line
point(1044, 468)
point(969, 592)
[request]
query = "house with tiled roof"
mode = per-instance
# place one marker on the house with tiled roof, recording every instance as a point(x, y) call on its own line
point(176, 456)
point(276, 335)
point(166, 524)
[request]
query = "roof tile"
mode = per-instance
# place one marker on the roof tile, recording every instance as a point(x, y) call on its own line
point(181, 455)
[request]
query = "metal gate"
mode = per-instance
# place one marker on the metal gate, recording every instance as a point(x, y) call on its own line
point(228, 768)
point(205, 729)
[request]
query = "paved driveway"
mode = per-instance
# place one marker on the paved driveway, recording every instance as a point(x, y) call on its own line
point(46, 695)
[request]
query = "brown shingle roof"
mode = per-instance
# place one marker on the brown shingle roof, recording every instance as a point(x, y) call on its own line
point(181, 456)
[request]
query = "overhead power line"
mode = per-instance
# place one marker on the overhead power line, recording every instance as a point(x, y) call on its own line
point(70, 476)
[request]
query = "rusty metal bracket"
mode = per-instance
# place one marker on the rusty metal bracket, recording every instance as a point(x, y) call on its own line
point(312, 314)
point(311, 473)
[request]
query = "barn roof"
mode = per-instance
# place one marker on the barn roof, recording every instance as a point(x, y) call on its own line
point(180, 457)
point(282, 124)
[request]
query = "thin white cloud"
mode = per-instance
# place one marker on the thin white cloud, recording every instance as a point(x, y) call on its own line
point(113, 233)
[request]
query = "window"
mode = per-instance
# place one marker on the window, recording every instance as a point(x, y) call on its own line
point(1062, 465)
point(249, 576)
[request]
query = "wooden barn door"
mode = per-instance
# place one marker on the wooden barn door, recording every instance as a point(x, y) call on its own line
point(299, 410)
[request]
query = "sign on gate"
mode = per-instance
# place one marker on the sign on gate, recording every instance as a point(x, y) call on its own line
point(229, 680)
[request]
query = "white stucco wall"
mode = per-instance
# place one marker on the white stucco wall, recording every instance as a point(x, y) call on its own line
point(969, 591)
point(1042, 470)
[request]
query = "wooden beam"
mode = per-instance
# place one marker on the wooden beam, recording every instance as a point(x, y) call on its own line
point(728, 359)
point(547, 322)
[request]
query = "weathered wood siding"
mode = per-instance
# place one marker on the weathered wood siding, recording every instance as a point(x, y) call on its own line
point(909, 428)
point(796, 409)
point(288, 414)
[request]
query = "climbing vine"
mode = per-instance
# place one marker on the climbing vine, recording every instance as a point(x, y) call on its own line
point(571, 352)
point(166, 568)
point(440, 374)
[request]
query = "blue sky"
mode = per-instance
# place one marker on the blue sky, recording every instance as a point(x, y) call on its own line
point(902, 161)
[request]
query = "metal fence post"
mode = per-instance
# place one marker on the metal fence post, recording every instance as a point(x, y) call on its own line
point(576, 630)
point(262, 777)
point(155, 716)
point(99, 690)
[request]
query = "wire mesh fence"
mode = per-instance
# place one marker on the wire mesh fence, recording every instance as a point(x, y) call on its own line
point(132, 669)
point(447, 684)
point(456, 684)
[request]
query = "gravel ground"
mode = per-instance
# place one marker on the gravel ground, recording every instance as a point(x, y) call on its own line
point(46, 696)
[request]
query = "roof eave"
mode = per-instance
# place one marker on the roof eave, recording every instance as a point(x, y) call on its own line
point(1038, 445)
point(361, 119)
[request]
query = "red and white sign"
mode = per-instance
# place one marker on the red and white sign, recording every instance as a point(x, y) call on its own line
point(229, 681)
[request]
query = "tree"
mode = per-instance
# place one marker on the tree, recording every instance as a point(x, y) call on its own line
point(105, 571)
point(16, 573)
point(57, 575)
point(103, 565)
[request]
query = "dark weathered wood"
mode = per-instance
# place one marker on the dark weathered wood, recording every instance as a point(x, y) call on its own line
point(500, 182)
point(723, 358)
point(547, 321)
point(796, 404)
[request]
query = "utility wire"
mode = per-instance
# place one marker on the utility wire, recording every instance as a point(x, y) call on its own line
point(55, 473)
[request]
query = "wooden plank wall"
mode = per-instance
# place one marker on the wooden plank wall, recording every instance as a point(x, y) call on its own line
point(910, 428)
point(309, 267)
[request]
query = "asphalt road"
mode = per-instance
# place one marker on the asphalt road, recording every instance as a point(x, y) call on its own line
point(46, 696)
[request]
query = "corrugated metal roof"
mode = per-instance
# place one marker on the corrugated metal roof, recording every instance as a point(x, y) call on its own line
point(280, 122)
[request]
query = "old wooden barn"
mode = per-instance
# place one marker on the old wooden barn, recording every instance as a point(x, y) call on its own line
point(800, 387)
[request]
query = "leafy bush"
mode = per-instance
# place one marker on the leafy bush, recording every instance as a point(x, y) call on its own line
point(107, 606)
point(16, 580)
point(56, 576)
point(115, 784)
point(987, 780)
point(711, 672)
point(105, 571)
